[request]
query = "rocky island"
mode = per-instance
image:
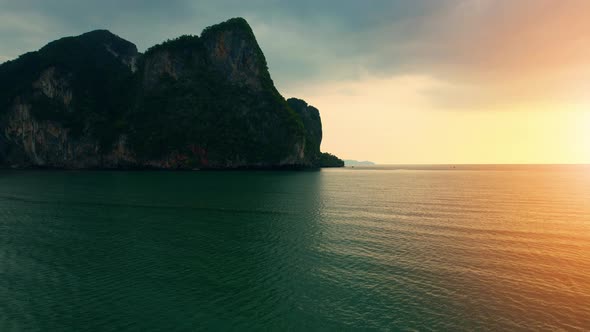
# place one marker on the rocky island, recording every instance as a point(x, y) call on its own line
point(207, 102)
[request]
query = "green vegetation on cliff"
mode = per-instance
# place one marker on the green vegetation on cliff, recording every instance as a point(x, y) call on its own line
point(330, 160)
point(75, 81)
point(312, 123)
point(208, 101)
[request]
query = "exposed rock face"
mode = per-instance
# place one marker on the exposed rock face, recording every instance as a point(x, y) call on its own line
point(53, 86)
point(310, 116)
point(233, 51)
point(54, 102)
point(93, 101)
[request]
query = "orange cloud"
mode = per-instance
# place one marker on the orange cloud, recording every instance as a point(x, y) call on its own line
point(514, 50)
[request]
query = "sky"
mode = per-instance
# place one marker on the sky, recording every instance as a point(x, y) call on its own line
point(396, 82)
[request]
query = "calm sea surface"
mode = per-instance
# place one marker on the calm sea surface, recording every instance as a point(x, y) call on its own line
point(382, 248)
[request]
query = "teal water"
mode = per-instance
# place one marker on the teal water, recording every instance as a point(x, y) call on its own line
point(399, 248)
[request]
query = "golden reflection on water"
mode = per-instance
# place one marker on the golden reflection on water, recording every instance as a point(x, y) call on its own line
point(448, 248)
point(509, 246)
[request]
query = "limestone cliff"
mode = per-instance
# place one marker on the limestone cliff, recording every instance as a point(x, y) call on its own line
point(93, 101)
point(310, 116)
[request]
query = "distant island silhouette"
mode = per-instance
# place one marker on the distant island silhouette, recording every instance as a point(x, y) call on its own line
point(348, 162)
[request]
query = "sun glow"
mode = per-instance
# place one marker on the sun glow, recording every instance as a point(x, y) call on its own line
point(399, 114)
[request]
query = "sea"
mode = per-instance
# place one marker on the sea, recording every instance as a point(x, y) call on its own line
point(382, 248)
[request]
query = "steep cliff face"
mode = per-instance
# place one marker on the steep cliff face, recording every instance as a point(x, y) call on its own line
point(57, 104)
point(93, 101)
point(233, 51)
point(310, 117)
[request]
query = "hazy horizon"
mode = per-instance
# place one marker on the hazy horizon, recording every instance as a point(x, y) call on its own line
point(446, 82)
point(466, 164)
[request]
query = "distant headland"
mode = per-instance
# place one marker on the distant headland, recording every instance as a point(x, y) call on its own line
point(348, 162)
point(207, 102)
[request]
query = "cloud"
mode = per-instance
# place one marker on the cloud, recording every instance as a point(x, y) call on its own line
point(489, 53)
point(498, 50)
point(27, 25)
point(481, 49)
